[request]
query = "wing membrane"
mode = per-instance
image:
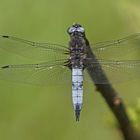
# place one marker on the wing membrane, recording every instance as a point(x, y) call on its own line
point(126, 47)
point(44, 74)
point(116, 71)
point(34, 50)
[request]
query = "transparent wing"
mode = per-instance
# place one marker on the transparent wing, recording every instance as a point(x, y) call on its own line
point(43, 74)
point(34, 50)
point(122, 48)
point(116, 71)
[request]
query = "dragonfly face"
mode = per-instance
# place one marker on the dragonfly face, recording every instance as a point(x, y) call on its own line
point(76, 28)
point(58, 63)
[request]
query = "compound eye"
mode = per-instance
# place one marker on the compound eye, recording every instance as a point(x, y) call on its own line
point(81, 29)
point(71, 30)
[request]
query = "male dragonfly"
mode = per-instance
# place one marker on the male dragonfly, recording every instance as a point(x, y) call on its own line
point(57, 62)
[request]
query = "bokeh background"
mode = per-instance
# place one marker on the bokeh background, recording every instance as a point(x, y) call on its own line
point(29, 112)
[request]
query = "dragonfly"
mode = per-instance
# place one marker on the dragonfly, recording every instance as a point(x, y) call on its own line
point(64, 64)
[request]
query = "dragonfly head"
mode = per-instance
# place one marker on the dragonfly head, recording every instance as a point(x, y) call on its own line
point(76, 29)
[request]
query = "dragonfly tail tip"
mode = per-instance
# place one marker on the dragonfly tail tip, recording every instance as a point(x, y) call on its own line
point(77, 115)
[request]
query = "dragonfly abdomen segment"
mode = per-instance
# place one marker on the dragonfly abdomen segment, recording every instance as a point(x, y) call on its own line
point(77, 90)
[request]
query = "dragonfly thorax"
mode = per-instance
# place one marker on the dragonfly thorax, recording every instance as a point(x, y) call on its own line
point(77, 49)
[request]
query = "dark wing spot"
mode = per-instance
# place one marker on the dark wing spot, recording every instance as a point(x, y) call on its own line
point(5, 67)
point(5, 36)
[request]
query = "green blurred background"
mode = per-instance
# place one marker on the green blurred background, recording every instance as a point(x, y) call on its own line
point(39, 113)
